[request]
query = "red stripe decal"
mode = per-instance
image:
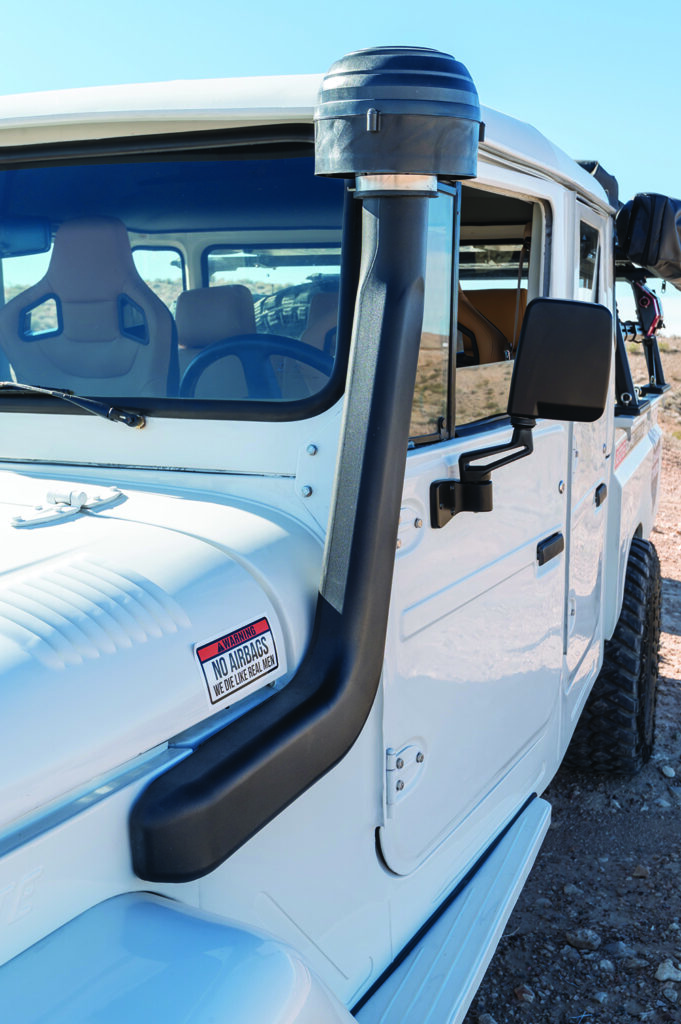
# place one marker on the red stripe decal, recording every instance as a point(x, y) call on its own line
point(231, 640)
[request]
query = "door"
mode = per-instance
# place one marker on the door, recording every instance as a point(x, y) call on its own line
point(590, 452)
point(475, 643)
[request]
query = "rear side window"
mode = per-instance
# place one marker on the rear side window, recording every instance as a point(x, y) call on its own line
point(589, 252)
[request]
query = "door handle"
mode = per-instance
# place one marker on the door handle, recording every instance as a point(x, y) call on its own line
point(550, 548)
point(601, 494)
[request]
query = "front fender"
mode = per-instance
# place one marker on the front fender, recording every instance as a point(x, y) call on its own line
point(140, 958)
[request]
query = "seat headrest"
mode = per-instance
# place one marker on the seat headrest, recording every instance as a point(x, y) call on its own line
point(322, 317)
point(206, 315)
point(321, 304)
point(91, 259)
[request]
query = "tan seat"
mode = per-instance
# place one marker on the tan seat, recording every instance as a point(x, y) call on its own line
point(322, 319)
point(483, 342)
point(208, 315)
point(499, 306)
point(112, 335)
point(297, 379)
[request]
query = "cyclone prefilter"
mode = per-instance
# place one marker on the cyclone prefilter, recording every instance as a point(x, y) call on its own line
point(397, 110)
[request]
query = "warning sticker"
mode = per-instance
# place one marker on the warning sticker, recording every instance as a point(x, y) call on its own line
point(621, 451)
point(237, 659)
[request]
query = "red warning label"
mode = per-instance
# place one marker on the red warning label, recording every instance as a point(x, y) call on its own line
point(237, 659)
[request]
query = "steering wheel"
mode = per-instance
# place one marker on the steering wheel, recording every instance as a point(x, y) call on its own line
point(254, 352)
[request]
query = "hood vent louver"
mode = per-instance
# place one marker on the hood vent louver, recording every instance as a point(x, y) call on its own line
point(85, 610)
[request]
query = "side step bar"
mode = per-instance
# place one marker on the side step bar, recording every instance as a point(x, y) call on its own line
point(437, 980)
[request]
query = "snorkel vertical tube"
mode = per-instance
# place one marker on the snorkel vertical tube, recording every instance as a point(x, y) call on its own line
point(391, 120)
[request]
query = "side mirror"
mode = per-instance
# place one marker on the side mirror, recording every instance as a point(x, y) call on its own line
point(562, 368)
point(561, 372)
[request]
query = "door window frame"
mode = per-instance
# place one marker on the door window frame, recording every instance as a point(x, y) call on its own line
point(446, 430)
point(538, 275)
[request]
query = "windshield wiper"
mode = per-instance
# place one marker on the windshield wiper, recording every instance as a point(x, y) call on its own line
point(107, 412)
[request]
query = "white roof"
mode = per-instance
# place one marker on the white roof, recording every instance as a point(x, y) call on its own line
point(144, 109)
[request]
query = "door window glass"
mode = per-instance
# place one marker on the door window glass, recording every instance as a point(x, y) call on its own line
point(497, 262)
point(429, 411)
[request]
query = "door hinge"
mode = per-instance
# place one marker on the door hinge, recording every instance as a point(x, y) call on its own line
point(403, 768)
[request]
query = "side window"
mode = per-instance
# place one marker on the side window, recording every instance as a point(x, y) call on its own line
point(293, 287)
point(501, 253)
point(163, 271)
point(288, 292)
point(20, 272)
point(589, 252)
point(429, 411)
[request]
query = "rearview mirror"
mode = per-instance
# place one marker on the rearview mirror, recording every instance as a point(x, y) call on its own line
point(24, 236)
point(562, 368)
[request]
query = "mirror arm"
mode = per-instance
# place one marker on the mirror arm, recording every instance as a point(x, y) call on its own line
point(473, 491)
point(521, 439)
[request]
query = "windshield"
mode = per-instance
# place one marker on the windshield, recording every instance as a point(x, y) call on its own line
point(194, 280)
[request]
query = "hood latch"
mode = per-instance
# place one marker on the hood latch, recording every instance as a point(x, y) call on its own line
point(65, 504)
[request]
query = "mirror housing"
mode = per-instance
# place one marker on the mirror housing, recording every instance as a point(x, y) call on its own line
point(562, 367)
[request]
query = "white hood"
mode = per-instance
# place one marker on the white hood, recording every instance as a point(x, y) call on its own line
point(112, 622)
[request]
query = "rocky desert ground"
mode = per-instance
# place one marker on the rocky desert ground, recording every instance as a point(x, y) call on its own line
point(596, 935)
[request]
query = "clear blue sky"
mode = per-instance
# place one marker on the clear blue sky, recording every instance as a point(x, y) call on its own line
point(601, 79)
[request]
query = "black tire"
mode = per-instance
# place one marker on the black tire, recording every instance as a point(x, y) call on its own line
point(616, 729)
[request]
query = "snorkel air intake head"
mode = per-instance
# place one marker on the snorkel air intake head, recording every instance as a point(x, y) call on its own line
point(397, 110)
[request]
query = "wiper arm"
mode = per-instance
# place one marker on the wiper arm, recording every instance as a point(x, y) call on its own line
point(107, 412)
